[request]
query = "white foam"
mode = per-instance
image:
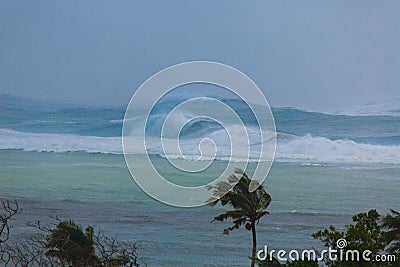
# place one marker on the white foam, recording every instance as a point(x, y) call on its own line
point(307, 149)
point(320, 149)
point(44, 142)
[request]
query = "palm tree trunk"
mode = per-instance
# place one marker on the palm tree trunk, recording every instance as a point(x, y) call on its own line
point(253, 253)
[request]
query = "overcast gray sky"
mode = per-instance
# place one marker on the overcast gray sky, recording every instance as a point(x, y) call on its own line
point(301, 53)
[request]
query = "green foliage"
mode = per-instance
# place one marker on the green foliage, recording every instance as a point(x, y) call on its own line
point(392, 236)
point(365, 234)
point(71, 245)
point(247, 207)
point(63, 244)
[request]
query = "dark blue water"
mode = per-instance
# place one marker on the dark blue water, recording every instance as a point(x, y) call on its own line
point(37, 117)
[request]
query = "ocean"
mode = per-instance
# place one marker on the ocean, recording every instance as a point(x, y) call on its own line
point(67, 160)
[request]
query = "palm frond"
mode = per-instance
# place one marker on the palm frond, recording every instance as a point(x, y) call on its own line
point(232, 214)
point(247, 206)
point(392, 235)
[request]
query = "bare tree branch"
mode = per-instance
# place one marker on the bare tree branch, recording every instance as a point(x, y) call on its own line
point(8, 210)
point(34, 251)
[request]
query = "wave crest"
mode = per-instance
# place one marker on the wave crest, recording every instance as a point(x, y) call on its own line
point(306, 149)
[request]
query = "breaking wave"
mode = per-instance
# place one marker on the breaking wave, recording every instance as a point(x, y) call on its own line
point(305, 149)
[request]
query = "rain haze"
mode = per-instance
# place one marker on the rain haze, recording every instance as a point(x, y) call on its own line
point(309, 54)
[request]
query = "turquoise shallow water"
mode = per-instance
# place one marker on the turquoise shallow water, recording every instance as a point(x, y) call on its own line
point(97, 189)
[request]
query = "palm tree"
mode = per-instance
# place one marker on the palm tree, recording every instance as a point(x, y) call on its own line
point(248, 207)
point(392, 223)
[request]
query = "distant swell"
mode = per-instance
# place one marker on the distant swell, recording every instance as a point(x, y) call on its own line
point(306, 149)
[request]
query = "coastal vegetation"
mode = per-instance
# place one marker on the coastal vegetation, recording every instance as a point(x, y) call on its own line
point(64, 244)
point(247, 208)
point(369, 232)
point(392, 236)
point(7, 212)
